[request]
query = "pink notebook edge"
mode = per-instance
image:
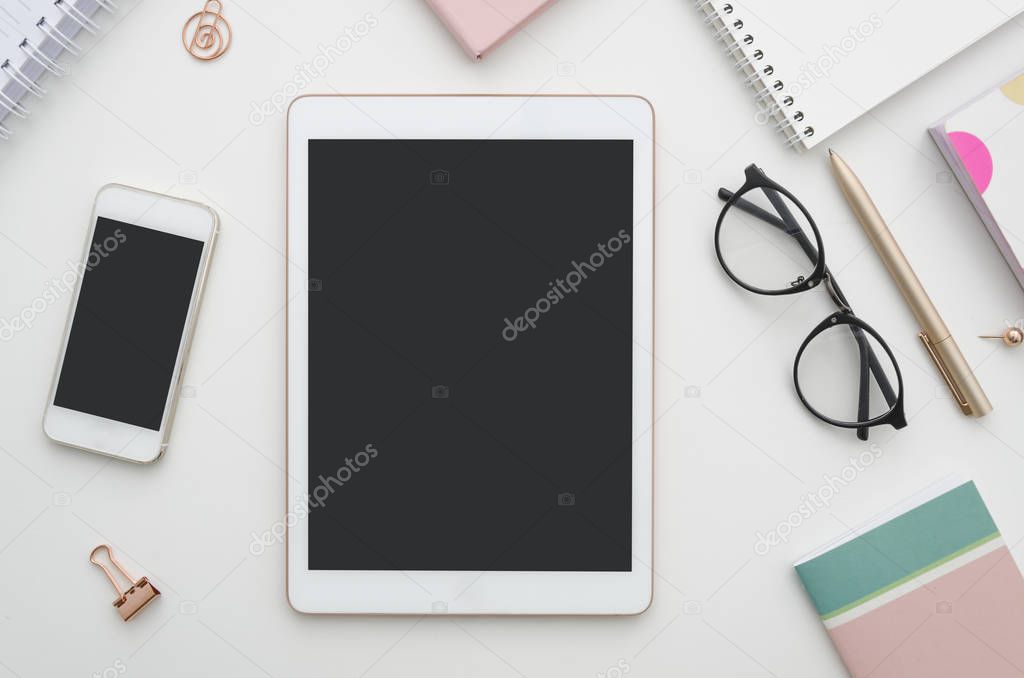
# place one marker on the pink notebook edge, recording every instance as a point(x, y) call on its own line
point(941, 138)
point(939, 134)
point(446, 12)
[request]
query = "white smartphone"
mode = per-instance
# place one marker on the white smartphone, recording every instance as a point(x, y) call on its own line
point(131, 321)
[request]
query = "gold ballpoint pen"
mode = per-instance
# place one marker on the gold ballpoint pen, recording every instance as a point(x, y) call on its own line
point(934, 334)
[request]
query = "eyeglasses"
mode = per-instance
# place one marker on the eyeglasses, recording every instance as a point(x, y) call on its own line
point(844, 371)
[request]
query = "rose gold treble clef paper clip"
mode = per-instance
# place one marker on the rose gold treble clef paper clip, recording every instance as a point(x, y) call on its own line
point(139, 593)
point(211, 33)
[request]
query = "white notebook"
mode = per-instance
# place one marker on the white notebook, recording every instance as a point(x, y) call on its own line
point(34, 37)
point(815, 67)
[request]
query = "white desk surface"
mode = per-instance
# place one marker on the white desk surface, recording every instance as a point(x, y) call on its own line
point(736, 453)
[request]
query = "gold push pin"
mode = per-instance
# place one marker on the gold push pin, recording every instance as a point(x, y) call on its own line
point(1013, 336)
point(130, 601)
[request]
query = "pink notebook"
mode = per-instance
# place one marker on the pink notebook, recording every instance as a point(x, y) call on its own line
point(482, 25)
point(982, 142)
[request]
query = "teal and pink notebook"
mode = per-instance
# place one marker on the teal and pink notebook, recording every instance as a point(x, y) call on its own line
point(927, 589)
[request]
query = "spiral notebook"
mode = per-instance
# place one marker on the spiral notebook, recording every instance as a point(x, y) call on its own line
point(815, 68)
point(34, 36)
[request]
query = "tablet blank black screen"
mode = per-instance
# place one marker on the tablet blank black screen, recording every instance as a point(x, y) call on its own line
point(470, 354)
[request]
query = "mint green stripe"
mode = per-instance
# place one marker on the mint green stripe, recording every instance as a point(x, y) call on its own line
point(897, 551)
point(911, 576)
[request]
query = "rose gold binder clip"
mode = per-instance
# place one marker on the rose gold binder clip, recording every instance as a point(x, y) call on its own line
point(139, 594)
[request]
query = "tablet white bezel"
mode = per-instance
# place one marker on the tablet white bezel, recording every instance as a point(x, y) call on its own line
point(469, 117)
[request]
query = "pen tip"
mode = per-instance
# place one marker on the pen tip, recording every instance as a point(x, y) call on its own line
point(831, 153)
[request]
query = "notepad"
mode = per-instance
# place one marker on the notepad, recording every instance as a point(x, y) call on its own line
point(34, 36)
point(927, 589)
point(817, 67)
point(482, 25)
point(983, 143)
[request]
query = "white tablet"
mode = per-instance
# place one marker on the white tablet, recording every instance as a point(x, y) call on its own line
point(470, 354)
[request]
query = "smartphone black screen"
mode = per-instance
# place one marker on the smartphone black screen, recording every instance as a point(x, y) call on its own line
point(135, 292)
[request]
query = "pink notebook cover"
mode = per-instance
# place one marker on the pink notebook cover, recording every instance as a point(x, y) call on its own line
point(982, 142)
point(482, 25)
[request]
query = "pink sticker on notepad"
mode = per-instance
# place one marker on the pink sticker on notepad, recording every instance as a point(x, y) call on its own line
point(975, 156)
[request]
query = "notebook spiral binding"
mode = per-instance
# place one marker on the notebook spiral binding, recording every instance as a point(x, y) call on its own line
point(758, 73)
point(26, 78)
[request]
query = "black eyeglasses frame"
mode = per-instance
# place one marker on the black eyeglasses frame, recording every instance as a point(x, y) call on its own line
point(756, 179)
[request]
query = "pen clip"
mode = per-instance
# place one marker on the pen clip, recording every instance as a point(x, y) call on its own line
point(946, 376)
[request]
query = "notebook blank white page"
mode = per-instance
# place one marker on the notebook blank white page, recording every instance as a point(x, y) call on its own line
point(837, 60)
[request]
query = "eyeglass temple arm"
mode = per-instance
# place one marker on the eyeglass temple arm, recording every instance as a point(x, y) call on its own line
point(764, 215)
point(869, 361)
point(724, 194)
point(863, 392)
point(792, 228)
point(867, 355)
